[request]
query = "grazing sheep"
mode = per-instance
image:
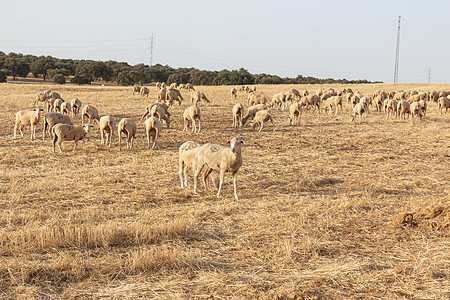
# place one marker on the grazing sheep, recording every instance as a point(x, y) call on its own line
point(311, 100)
point(403, 109)
point(161, 95)
point(220, 158)
point(390, 108)
point(129, 128)
point(57, 104)
point(173, 85)
point(333, 101)
point(153, 128)
point(136, 89)
point(233, 93)
point(174, 94)
point(295, 112)
point(400, 96)
point(355, 99)
point(360, 109)
point(289, 96)
point(52, 118)
point(144, 91)
point(159, 110)
point(197, 97)
point(76, 106)
point(296, 93)
point(434, 96)
point(325, 96)
point(54, 95)
point(107, 126)
point(278, 101)
point(66, 108)
point(238, 112)
point(379, 102)
point(416, 111)
point(181, 86)
point(191, 114)
point(89, 112)
point(25, 117)
point(253, 99)
point(189, 87)
point(261, 117)
point(443, 102)
point(67, 132)
point(40, 97)
point(251, 112)
point(423, 107)
point(415, 98)
point(50, 102)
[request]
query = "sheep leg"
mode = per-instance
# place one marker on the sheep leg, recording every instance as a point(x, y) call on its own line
point(148, 139)
point(20, 129)
point(205, 178)
point(181, 170)
point(196, 173)
point(236, 197)
point(120, 139)
point(261, 126)
point(199, 125)
point(222, 176)
point(194, 125)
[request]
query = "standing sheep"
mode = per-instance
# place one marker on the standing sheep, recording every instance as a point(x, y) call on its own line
point(197, 97)
point(136, 89)
point(161, 95)
point(251, 112)
point(89, 112)
point(66, 108)
point(423, 107)
point(220, 158)
point(238, 112)
point(25, 117)
point(107, 126)
point(174, 94)
point(443, 102)
point(144, 91)
point(159, 110)
point(333, 101)
point(66, 132)
point(173, 85)
point(76, 106)
point(403, 109)
point(57, 105)
point(278, 101)
point(233, 93)
point(153, 128)
point(50, 103)
point(40, 97)
point(52, 118)
point(390, 108)
point(191, 114)
point(311, 100)
point(416, 111)
point(295, 112)
point(261, 117)
point(129, 128)
point(360, 109)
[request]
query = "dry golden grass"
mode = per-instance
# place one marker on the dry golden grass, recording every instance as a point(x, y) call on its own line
point(329, 209)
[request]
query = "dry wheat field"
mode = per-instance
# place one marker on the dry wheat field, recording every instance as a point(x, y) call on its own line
point(329, 209)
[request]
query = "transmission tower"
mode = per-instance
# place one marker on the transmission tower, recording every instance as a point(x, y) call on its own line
point(397, 52)
point(151, 51)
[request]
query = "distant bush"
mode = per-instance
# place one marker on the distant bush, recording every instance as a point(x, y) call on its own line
point(59, 79)
point(2, 76)
point(80, 80)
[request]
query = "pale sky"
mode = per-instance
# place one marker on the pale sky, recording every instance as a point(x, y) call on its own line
point(338, 39)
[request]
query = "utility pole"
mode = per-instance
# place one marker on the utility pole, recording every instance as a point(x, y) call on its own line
point(397, 52)
point(429, 74)
point(151, 51)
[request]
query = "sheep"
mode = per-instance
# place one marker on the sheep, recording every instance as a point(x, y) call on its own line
point(360, 109)
point(367, 100)
point(153, 128)
point(349, 97)
point(89, 112)
point(253, 99)
point(161, 95)
point(189, 87)
point(144, 91)
point(289, 96)
point(40, 97)
point(423, 107)
point(233, 93)
point(415, 98)
point(129, 128)
point(66, 108)
point(50, 102)
point(333, 101)
point(187, 160)
point(278, 100)
point(54, 95)
point(403, 109)
point(163, 85)
point(57, 104)
point(67, 132)
point(295, 92)
point(354, 100)
point(107, 126)
point(379, 102)
point(191, 114)
point(52, 118)
point(220, 158)
point(197, 96)
point(415, 109)
point(181, 86)
point(251, 111)
point(295, 112)
point(76, 106)
point(434, 96)
point(238, 112)
point(304, 93)
point(158, 85)
point(443, 102)
point(261, 117)
point(25, 117)
point(390, 108)
point(173, 85)
point(174, 94)
point(158, 109)
point(136, 89)
point(399, 96)
point(325, 96)
point(311, 100)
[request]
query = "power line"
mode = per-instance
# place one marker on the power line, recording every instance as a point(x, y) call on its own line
point(397, 50)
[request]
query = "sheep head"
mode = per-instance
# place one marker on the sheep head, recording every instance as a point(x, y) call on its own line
point(236, 144)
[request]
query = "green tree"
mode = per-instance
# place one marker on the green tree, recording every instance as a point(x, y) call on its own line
point(2, 76)
point(41, 65)
point(59, 78)
point(16, 67)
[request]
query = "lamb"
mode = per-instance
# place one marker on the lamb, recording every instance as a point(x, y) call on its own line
point(76, 105)
point(333, 101)
point(360, 109)
point(295, 112)
point(187, 160)
point(52, 118)
point(174, 94)
point(191, 114)
point(403, 109)
point(66, 132)
point(66, 108)
point(107, 126)
point(415, 109)
point(153, 128)
point(57, 104)
point(220, 158)
point(197, 96)
point(144, 91)
point(423, 107)
point(136, 89)
point(40, 97)
point(89, 112)
point(390, 108)
point(233, 93)
point(251, 112)
point(261, 117)
point(24, 117)
point(238, 112)
point(443, 102)
point(129, 128)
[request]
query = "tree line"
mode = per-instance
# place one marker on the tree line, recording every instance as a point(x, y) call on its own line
point(87, 71)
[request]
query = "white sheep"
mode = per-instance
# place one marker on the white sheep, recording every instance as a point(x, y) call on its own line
point(66, 132)
point(233, 92)
point(54, 95)
point(360, 109)
point(423, 107)
point(173, 85)
point(415, 109)
point(52, 118)
point(26, 117)
point(253, 99)
point(238, 112)
point(66, 108)
point(189, 87)
point(129, 128)
point(390, 108)
point(443, 102)
point(159, 110)
point(76, 106)
point(144, 91)
point(295, 112)
point(220, 158)
point(153, 129)
point(174, 94)
point(311, 100)
point(107, 126)
point(161, 95)
point(261, 117)
point(333, 101)
point(89, 112)
point(191, 114)
point(49, 104)
point(403, 109)
point(136, 89)
point(40, 97)
point(251, 112)
point(278, 101)
point(57, 104)
point(197, 97)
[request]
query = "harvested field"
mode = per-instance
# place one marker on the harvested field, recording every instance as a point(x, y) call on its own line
point(330, 209)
